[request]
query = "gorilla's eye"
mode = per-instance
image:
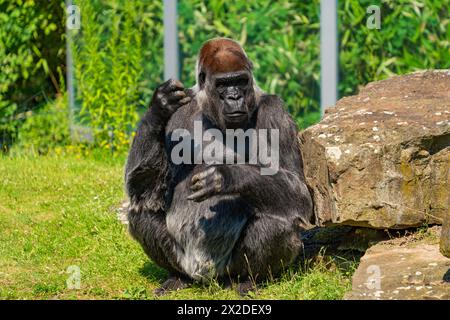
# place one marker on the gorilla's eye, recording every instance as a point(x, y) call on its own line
point(241, 82)
point(222, 83)
point(232, 82)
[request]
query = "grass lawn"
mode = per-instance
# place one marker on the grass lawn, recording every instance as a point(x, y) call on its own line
point(58, 212)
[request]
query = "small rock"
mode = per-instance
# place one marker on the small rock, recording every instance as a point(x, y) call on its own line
point(391, 281)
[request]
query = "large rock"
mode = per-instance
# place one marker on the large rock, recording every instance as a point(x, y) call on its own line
point(381, 158)
point(445, 237)
point(403, 268)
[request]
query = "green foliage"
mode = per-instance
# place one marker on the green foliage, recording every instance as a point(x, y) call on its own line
point(118, 63)
point(414, 35)
point(280, 37)
point(31, 53)
point(118, 53)
point(44, 130)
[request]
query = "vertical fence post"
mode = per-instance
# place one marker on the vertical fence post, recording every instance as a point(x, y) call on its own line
point(328, 54)
point(69, 71)
point(171, 55)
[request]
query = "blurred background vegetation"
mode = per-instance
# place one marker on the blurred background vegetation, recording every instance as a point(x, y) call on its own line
point(118, 59)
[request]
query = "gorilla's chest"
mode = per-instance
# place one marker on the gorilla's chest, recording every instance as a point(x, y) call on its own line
point(206, 232)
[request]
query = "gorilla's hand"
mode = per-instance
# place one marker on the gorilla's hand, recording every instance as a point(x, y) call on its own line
point(168, 98)
point(207, 183)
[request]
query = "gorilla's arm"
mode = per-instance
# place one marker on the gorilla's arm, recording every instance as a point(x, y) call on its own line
point(147, 165)
point(146, 175)
point(283, 191)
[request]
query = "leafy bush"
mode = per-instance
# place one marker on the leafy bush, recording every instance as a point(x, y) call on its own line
point(118, 53)
point(280, 37)
point(31, 56)
point(414, 35)
point(45, 129)
point(118, 63)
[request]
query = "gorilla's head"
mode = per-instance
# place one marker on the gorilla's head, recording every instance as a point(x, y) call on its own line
point(224, 77)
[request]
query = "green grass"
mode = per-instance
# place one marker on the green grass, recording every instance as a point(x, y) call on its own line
point(61, 211)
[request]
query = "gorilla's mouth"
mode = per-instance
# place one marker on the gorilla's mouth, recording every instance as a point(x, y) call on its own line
point(238, 115)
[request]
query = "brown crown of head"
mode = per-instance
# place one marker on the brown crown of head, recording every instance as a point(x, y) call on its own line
point(223, 55)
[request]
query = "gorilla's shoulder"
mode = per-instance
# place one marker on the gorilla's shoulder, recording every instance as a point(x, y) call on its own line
point(271, 104)
point(272, 113)
point(270, 101)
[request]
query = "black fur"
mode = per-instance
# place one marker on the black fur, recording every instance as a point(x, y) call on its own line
point(248, 228)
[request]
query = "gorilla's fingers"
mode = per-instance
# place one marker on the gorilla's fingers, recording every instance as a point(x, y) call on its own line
point(164, 87)
point(217, 181)
point(185, 101)
point(174, 100)
point(201, 195)
point(172, 85)
point(176, 96)
point(204, 185)
point(198, 185)
point(179, 100)
point(199, 176)
point(195, 178)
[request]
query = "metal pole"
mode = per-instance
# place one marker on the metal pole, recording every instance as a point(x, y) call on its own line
point(69, 72)
point(328, 54)
point(171, 55)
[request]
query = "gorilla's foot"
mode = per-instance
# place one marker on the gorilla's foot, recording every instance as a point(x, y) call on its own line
point(173, 283)
point(245, 287)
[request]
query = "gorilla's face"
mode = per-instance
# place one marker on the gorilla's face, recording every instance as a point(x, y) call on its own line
point(232, 98)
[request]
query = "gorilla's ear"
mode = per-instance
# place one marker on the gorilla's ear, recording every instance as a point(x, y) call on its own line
point(201, 79)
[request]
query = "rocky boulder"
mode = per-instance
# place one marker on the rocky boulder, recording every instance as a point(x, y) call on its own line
point(381, 158)
point(403, 268)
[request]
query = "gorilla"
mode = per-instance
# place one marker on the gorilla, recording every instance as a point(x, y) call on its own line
point(201, 220)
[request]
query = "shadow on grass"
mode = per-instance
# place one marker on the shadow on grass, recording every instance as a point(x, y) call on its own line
point(153, 273)
point(315, 253)
point(333, 243)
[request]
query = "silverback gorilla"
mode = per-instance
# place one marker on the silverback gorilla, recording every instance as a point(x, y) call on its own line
point(227, 221)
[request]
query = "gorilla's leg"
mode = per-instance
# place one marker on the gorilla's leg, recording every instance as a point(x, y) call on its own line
point(267, 245)
point(150, 230)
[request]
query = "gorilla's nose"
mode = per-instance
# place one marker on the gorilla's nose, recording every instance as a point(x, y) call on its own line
point(235, 102)
point(233, 96)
